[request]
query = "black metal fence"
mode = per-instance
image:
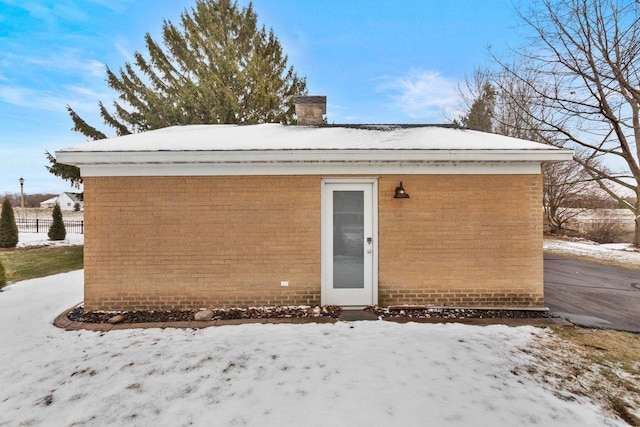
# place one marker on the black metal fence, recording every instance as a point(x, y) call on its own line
point(42, 226)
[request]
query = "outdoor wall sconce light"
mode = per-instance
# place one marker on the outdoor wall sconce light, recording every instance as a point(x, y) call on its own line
point(400, 193)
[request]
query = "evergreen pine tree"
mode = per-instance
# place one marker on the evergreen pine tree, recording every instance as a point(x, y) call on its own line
point(218, 66)
point(57, 230)
point(480, 115)
point(8, 227)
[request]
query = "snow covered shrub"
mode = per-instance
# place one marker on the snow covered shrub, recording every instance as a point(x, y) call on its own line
point(8, 227)
point(57, 230)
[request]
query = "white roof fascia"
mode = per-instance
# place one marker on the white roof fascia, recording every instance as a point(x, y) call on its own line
point(80, 158)
point(317, 168)
point(309, 162)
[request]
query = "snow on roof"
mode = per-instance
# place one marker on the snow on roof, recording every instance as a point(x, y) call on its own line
point(282, 137)
point(75, 197)
point(274, 149)
point(49, 201)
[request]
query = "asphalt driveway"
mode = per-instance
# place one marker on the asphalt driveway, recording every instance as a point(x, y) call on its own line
point(592, 295)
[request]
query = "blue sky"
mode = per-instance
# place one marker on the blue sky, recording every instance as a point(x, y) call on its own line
point(377, 61)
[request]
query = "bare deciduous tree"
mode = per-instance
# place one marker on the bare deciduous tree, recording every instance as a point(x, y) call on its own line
point(568, 189)
point(566, 185)
point(582, 74)
point(510, 114)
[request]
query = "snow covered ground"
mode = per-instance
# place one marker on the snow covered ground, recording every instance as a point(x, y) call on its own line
point(345, 374)
point(624, 253)
point(42, 239)
point(46, 213)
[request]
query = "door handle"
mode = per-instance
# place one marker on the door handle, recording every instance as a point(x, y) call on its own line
point(369, 240)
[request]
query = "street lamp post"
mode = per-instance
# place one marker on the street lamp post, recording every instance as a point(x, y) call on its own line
point(21, 192)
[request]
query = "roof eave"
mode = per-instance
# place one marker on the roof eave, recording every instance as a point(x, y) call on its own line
point(83, 158)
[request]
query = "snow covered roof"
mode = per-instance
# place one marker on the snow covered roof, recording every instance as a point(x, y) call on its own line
point(75, 197)
point(302, 145)
point(282, 137)
point(51, 201)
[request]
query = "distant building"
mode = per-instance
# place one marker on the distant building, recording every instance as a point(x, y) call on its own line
point(66, 201)
point(49, 203)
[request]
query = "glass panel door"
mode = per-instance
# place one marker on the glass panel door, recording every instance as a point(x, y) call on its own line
point(348, 239)
point(348, 242)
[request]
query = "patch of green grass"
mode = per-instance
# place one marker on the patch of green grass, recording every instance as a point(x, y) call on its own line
point(615, 357)
point(24, 264)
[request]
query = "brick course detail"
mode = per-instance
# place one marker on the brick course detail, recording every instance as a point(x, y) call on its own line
point(192, 242)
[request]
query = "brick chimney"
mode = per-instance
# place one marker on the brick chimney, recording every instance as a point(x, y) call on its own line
point(310, 109)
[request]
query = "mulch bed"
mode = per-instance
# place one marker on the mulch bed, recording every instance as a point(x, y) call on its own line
point(457, 313)
point(79, 315)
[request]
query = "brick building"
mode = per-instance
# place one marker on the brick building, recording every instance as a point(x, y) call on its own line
point(354, 215)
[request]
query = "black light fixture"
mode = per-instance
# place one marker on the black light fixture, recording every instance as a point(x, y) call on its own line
point(401, 193)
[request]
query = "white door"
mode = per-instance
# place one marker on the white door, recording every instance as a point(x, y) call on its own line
point(349, 242)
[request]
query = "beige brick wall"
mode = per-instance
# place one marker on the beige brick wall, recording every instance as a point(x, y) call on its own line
point(191, 242)
point(461, 240)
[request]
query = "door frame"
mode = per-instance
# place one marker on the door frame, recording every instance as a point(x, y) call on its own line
point(326, 235)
